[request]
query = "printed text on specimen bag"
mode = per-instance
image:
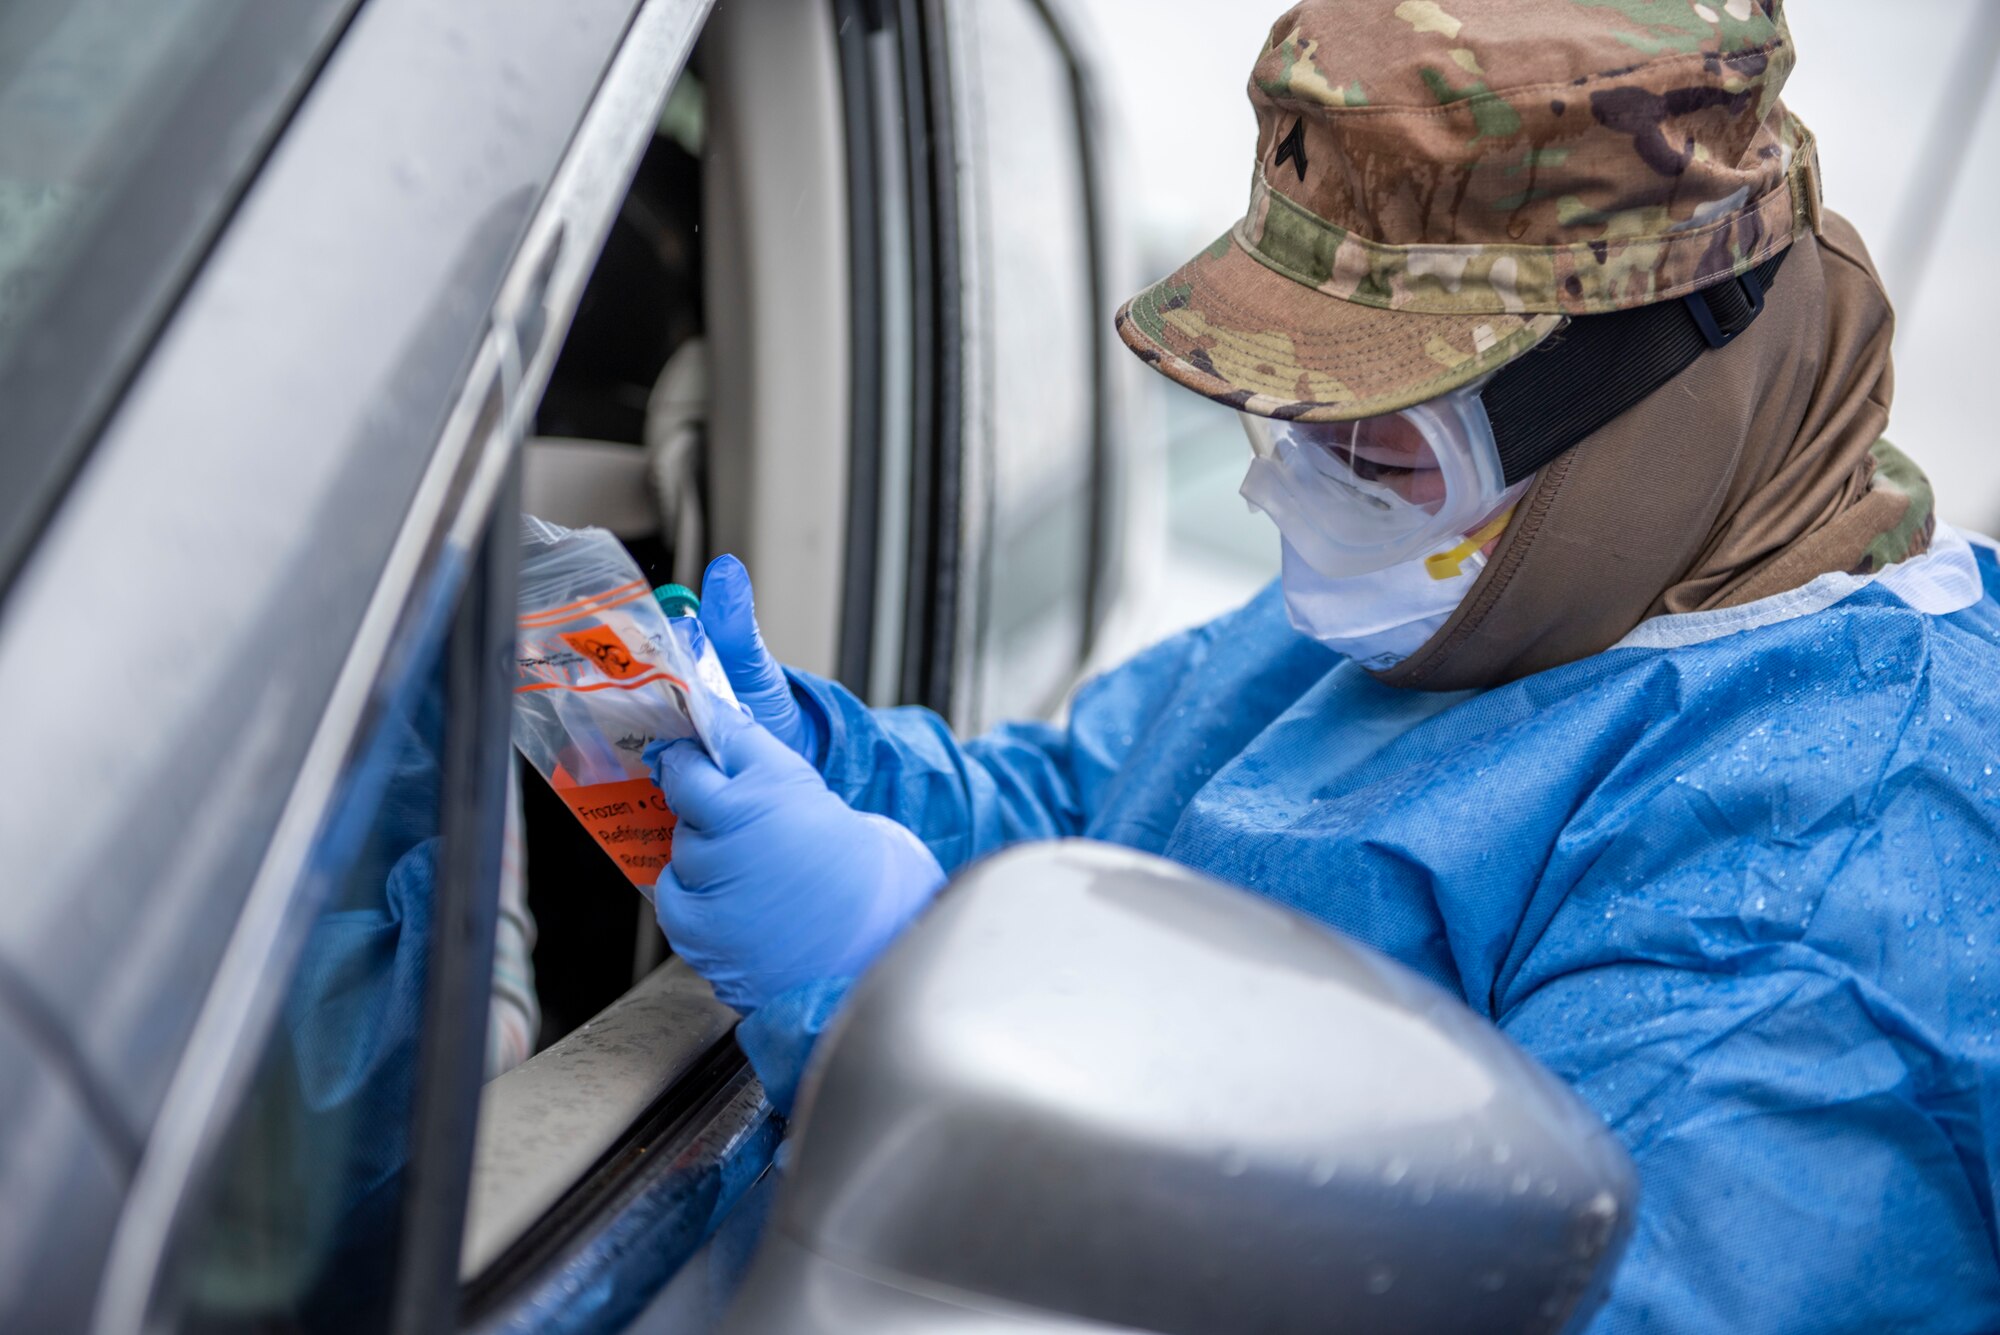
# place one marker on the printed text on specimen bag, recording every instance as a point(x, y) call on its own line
point(601, 671)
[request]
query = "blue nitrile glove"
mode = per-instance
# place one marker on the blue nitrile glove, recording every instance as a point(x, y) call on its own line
point(775, 881)
point(729, 615)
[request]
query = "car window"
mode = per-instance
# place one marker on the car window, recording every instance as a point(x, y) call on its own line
point(126, 128)
point(298, 1226)
point(1029, 145)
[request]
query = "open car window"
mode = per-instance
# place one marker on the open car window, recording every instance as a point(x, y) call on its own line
point(636, 1104)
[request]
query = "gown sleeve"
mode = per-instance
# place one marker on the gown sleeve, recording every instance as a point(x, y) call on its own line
point(963, 799)
point(1020, 781)
point(1025, 781)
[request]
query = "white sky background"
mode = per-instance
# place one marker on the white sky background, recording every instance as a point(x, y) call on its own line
point(1870, 90)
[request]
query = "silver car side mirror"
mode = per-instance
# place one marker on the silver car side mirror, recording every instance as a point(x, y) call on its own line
point(1092, 1090)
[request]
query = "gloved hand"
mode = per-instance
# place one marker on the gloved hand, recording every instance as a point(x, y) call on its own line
point(776, 882)
point(729, 615)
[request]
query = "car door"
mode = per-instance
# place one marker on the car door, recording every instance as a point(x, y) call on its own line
point(558, 249)
point(297, 297)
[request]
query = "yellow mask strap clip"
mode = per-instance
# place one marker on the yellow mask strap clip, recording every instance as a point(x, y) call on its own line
point(1449, 564)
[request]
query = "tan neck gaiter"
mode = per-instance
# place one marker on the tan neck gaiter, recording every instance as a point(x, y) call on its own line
point(1757, 469)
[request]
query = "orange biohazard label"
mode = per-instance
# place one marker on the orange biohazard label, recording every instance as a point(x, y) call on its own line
point(630, 821)
point(601, 645)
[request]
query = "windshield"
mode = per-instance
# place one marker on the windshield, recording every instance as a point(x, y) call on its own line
point(126, 129)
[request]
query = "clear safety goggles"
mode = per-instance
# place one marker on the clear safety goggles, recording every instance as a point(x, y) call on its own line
point(1354, 497)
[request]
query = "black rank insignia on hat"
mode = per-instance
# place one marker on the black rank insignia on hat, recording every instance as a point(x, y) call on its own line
point(1293, 150)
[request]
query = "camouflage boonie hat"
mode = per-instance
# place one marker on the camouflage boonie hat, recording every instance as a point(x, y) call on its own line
point(1440, 182)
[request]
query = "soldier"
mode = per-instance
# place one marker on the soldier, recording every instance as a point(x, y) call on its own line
point(1620, 677)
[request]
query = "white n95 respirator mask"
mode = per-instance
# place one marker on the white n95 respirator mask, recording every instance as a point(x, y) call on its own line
point(1380, 618)
point(1382, 518)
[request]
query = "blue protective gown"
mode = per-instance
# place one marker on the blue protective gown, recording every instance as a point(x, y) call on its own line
point(1741, 894)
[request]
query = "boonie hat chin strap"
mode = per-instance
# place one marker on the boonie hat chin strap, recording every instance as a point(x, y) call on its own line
point(1598, 366)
